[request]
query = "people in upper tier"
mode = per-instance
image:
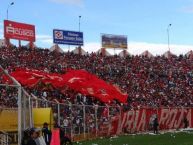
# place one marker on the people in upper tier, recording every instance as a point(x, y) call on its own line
point(149, 81)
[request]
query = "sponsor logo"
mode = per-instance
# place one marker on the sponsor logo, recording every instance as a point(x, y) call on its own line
point(19, 31)
point(58, 35)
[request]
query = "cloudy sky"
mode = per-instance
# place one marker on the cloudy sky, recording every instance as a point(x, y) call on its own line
point(144, 21)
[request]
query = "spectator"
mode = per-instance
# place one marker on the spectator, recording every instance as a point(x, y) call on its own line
point(46, 133)
point(185, 121)
point(33, 136)
point(149, 82)
point(155, 125)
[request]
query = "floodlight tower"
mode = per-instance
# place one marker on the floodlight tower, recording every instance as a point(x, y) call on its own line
point(79, 23)
point(168, 33)
point(12, 3)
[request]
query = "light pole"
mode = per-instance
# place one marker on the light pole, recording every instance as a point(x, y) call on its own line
point(79, 31)
point(12, 3)
point(168, 32)
point(79, 23)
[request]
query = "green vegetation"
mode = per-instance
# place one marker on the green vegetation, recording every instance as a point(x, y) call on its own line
point(164, 139)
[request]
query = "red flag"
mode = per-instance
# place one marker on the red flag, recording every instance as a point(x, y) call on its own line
point(90, 84)
point(55, 137)
point(78, 80)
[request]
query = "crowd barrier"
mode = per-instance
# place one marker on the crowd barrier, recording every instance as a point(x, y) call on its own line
point(4, 139)
point(83, 122)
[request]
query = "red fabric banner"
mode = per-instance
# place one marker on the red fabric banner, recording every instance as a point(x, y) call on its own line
point(78, 80)
point(141, 120)
point(90, 84)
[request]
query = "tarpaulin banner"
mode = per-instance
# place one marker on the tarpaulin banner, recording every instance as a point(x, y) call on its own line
point(89, 84)
point(78, 80)
point(19, 31)
point(67, 37)
point(141, 120)
point(114, 41)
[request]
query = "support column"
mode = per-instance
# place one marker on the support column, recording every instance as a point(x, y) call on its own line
point(7, 42)
point(20, 119)
point(79, 50)
point(125, 53)
point(19, 43)
point(103, 51)
point(56, 48)
point(31, 45)
point(58, 114)
point(191, 55)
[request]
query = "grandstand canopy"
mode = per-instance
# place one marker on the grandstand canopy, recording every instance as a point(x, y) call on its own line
point(124, 53)
point(28, 45)
point(168, 53)
point(147, 54)
point(106, 52)
point(190, 54)
point(56, 48)
point(79, 51)
point(2, 42)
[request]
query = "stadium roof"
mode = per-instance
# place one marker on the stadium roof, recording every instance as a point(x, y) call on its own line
point(56, 48)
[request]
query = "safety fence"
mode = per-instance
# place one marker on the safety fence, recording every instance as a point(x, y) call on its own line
point(4, 138)
point(15, 108)
point(83, 122)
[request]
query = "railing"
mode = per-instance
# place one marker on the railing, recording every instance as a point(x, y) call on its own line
point(4, 138)
point(82, 122)
point(22, 108)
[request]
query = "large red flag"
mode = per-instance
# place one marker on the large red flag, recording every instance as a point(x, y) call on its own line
point(78, 80)
point(90, 84)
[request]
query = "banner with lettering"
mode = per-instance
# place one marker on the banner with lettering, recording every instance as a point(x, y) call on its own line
point(141, 120)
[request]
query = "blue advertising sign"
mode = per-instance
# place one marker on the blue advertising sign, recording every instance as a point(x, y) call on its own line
point(67, 37)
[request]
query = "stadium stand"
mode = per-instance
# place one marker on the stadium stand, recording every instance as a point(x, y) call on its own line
point(150, 81)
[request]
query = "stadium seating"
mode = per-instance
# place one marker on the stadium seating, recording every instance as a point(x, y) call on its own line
point(149, 82)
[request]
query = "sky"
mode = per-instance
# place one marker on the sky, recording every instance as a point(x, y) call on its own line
point(144, 22)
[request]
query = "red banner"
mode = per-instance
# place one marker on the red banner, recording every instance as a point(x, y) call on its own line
point(89, 84)
point(20, 31)
point(142, 120)
point(78, 80)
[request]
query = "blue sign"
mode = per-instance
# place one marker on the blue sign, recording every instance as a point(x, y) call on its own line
point(68, 37)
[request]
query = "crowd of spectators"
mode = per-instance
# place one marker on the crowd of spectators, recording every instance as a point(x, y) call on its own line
point(149, 82)
point(8, 97)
